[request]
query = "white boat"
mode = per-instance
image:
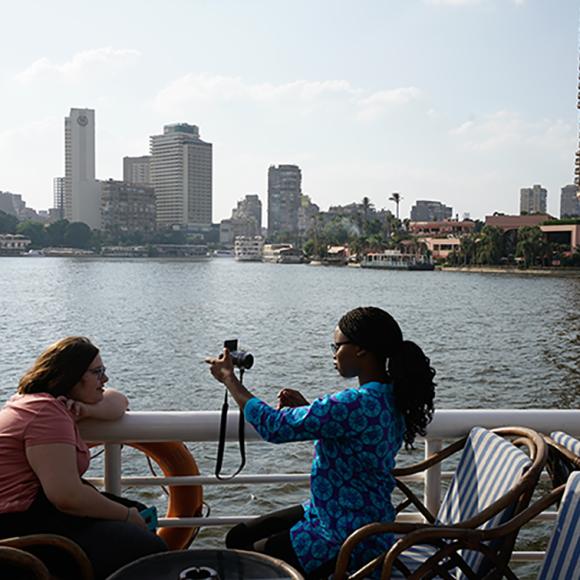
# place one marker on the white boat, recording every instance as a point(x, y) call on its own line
point(222, 254)
point(282, 254)
point(248, 249)
point(395, 260)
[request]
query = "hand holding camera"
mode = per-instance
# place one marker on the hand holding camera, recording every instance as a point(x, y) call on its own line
point(222, 367)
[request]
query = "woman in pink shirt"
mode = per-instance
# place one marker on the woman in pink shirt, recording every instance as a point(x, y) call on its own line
point(42, 459)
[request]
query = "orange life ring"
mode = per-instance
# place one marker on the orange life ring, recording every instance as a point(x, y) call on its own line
point(174, 458)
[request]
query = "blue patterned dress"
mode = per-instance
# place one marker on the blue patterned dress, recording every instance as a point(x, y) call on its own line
point(358, 432)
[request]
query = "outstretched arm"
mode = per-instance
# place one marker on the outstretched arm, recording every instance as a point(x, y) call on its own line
point(112, 406)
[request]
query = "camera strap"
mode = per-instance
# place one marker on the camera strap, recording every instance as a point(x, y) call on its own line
point(222, 439)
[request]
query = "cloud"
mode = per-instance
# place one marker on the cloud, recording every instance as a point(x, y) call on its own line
point(308, 96)
point(376, 103)
point(453, 2)
point(85, 62)
point(466, 2)
point(505, 129)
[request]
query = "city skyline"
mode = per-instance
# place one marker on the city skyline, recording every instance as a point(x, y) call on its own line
point(461, 101)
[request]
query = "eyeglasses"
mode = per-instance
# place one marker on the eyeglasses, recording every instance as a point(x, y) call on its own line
point(334, 346)
point(99, 372)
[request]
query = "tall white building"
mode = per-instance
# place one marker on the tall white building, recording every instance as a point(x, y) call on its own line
point(533, 200)
point(82, 193)
point(181, 173)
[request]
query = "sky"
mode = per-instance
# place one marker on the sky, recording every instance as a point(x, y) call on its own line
point(461, 101)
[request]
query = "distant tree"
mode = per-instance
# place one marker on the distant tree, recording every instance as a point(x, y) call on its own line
point(337, 231)
point(396, 197)
point(55, 233)
point(169, 237)
point(468, 248)
point(479, 225)
point(490, 246)
point(34, 231)
point(367, 208)
point(8, 223)
point(531, 246)
point(78, 235)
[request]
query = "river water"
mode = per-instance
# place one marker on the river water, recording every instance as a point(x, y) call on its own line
point(496, 340)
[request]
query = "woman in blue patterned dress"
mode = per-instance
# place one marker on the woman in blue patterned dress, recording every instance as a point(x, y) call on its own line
point(357, 434)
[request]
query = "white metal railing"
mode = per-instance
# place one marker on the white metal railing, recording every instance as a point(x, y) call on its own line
point(203, 426)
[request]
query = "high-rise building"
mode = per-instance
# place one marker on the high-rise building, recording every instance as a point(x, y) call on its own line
point(58, 189)
point(284, 195)
point(127, 207)
point(430, 211)
point(137, 169)
point(569, 202)
point(249, 207)
point(181, 173)
point(82, 193)
point(533, 200)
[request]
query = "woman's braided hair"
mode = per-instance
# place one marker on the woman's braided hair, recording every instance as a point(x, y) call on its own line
point(406, 365)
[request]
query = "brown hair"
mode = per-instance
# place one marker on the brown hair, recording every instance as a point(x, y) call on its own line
point(60, 367)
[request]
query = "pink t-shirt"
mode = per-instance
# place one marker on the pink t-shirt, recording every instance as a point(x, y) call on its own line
point(27, 420)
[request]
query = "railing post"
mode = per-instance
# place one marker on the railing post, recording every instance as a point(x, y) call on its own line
point(113, 468)
point(432, 492)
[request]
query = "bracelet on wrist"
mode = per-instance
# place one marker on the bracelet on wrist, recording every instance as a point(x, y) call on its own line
point(128, 514)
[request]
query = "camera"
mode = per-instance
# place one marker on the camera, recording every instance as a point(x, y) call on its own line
point(240, 358)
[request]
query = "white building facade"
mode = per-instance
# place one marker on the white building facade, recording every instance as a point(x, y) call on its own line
point(137, 169)
point(181, 173)
point(82, 193)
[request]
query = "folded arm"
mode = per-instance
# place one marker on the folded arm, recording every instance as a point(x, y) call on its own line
point(111, 407)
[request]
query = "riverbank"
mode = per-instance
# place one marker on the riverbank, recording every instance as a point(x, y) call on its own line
point(555, 271)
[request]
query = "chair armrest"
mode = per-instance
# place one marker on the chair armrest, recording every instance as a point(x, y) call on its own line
point(342, 561)
point(39, 544)
point(15, 561)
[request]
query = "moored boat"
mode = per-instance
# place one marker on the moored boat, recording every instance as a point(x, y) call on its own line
point(248, 249)
point(282, 254)
point(395, 260)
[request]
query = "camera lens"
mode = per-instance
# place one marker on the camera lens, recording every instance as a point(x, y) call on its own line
point(241, 359)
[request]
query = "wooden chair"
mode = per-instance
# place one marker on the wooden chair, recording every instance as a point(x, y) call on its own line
point(493, 482)
point(563, 456)
point(44, 556)
point(20, 565)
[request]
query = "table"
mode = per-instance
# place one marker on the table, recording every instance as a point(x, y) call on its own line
point(207, 565)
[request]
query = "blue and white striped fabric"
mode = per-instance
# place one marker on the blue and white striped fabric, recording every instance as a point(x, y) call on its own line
point(566, 441)
point(562, 560)
point(489, 468)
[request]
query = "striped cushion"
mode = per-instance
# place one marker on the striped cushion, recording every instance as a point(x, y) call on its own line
point(566, 441)
point(489, 468)
point(413, 558)
point(562, 560)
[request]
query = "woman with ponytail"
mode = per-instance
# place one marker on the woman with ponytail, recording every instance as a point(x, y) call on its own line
point(357, 434)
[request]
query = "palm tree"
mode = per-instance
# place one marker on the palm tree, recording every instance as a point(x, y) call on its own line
point(396, 197)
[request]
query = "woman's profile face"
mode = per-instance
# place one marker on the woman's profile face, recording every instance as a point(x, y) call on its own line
point(91, 387)
point(346, 360)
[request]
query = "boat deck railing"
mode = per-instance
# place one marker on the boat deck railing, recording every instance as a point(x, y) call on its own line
point(203, 426)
